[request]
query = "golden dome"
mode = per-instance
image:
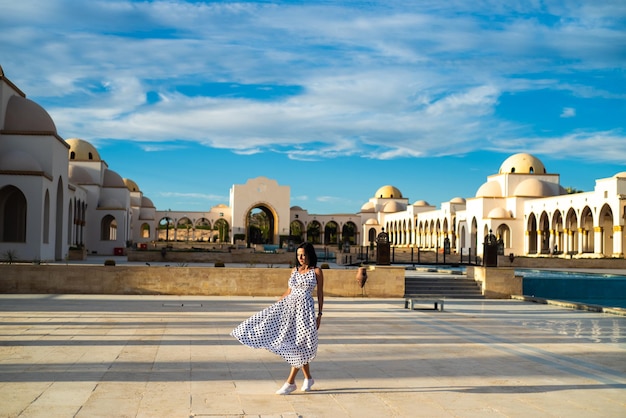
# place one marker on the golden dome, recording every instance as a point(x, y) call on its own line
point(131, 185)
point(522, 164)
point(388, 192)
point(81, 150)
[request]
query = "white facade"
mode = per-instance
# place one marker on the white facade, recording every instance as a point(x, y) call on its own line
point(56, 194)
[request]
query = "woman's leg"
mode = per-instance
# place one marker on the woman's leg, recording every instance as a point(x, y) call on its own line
point(306, 371)
point(294, 372)
point(292, 375)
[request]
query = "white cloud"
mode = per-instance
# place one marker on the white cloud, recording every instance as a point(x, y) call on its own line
point(568, 112)
point(382, 81)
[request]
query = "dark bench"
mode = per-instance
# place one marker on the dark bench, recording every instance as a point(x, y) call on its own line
point(410, 303)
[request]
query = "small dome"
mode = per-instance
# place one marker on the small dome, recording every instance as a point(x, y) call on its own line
point(17, 160)
point(24, 115)
point(81, 150)
point(536, 188)
point(221, 205)
point(146, 203)
point(368, 208)
point(131, 185)
point(458, 200)
point(78, 175)
point(296, 208)
point(388, 192)
point(110, 204)
point(621, 175)
point(371, 221)
point(112, 179)
point(490, 189)
point(522, 164)
point(499, 213)
point(421, 203)
point(393, 206)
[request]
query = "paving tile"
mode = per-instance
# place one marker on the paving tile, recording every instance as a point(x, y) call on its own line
point(139, 356)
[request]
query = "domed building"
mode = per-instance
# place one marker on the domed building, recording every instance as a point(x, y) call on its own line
point(56, 194)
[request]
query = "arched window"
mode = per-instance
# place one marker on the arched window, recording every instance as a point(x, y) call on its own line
point(145, 230)
point(12, 215)
point(108, 228)
point(46, 218)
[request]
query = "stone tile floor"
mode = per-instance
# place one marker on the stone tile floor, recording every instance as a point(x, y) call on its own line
point(166, 356)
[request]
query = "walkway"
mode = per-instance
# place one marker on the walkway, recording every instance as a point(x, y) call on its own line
point(158, 356)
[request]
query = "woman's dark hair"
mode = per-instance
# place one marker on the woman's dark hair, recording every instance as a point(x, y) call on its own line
point(309, 251)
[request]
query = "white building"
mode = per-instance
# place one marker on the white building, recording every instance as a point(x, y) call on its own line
point(56, 194)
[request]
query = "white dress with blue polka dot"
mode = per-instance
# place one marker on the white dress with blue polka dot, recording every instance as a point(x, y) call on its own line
point(288, 327)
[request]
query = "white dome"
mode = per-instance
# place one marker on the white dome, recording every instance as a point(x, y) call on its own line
point(458, 200)
point(499, 213)
point(536, 188)
point(78, 175)
point(110, 203)
point(112, 179)
point(522, 164)
point(489, 189)
point(421, 203)
point(368, 207)
point(388, 192)
point(19, 161)
point(371, 221)
point(146, 203)
point(393, 206)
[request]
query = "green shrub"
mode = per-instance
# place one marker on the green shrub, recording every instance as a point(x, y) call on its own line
point(109, 262)
point(324, 266)
point(219, 264)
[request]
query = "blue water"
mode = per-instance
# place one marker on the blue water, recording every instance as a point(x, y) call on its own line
point(596, 289)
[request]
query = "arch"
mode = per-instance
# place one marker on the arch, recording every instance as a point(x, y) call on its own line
point(605, 229)
point(314, 232)
point(473, 244)
point(348, 233)
point(531, 229)
point(260, 225)
point(296, 231)
point(186, 227)
point(166, 224)
point(557, 242)
point(46, 218)
point(145, 230)
point(202, 229)
point(331, 233)
point(543, 229)
point(571, 229)
point(70, 220)
point(13, 211)
point(58, 233)
point(586, 231)
point(222, 227)
point(503, 234)
point(108, 228)
point(371, 236)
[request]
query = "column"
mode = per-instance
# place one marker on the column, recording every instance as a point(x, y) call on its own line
point(618, 240)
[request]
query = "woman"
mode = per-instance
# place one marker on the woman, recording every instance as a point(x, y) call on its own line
point(289, 327)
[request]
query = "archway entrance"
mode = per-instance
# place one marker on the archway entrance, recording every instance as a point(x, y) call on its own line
point(260, 224)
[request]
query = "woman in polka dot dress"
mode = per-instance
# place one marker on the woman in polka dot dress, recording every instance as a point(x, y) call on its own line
point(289, 327)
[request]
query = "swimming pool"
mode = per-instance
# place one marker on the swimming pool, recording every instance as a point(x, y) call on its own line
point(591, 288)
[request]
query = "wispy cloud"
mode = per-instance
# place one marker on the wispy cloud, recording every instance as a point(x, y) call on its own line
point(568, 112)
point(376, 79)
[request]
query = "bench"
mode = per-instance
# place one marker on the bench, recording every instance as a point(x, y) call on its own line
point(412, 302)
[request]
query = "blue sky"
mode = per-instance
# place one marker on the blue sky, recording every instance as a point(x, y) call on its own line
point(332, 98)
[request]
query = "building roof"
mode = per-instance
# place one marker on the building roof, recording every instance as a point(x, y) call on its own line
point(388, 192)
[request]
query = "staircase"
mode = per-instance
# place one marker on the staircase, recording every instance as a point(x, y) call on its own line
point(440, 284)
